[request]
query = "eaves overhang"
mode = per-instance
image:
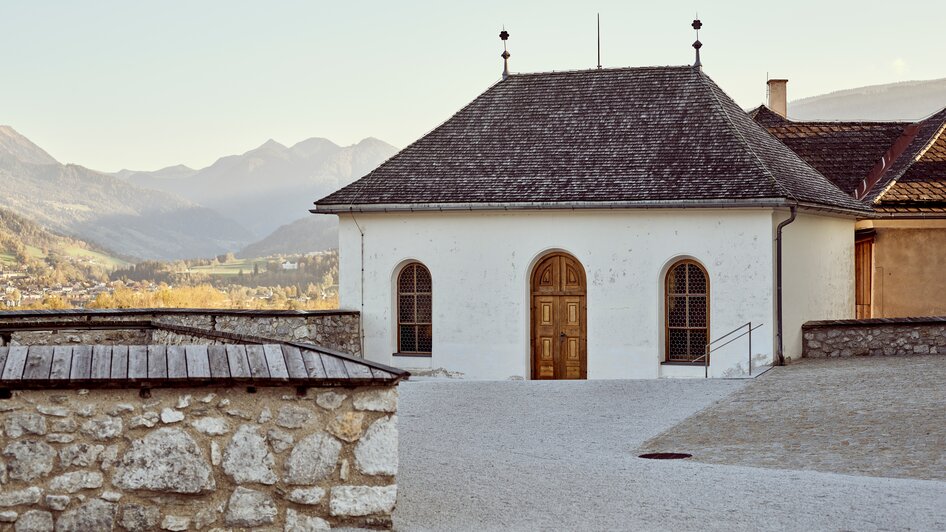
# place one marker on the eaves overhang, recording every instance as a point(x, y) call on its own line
point(582, 205)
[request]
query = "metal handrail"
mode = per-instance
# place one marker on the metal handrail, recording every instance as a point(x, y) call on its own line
point(705, 355)
point(731, 332)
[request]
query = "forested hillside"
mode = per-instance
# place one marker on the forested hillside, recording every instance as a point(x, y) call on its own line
point(37, 265)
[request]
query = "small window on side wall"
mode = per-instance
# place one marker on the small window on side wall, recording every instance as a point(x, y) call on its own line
point(687, 312)
point(414, 311)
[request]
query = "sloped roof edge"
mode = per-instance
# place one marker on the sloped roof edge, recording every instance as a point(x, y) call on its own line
point(753, 203)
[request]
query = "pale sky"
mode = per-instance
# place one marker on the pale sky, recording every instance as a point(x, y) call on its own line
point(146, 84)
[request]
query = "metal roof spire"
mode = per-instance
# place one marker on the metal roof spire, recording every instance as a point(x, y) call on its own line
point(697, 45)
point(504, 35)
point(599, 41)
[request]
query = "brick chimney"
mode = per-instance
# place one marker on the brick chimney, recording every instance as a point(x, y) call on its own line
point(778, 96)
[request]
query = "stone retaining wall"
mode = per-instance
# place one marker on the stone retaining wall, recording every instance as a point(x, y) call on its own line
point(198, 459)
point(339, 330)
point(79, 337)
point(875, 337)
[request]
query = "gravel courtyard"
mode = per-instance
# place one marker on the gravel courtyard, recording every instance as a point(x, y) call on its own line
point(563, 456)
point(881, 417)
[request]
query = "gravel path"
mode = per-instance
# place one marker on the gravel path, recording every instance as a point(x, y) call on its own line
point(562, 456)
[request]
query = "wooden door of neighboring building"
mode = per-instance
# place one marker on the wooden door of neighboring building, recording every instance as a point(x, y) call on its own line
point(559, 328)
point(863, 270)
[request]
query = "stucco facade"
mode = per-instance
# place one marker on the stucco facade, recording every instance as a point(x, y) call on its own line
point(817, 274)
point(481, 264)
point(909, 258)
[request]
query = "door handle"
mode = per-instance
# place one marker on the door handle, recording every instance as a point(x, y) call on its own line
point(562, 335)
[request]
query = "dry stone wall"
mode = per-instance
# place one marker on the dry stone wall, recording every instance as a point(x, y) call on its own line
point(198, 459)
point(339, 330)
point(875, 337)
point(77, 337)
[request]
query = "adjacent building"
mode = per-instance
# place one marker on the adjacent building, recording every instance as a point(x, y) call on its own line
point(899, 169)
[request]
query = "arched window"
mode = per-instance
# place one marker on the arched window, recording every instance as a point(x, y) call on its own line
point(687, 312)
point(414, 316)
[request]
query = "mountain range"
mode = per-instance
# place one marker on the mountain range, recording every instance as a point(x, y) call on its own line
point(96, 207)
point(179, 212)
point(908, 100)
point(271, 185)
point(256, 203)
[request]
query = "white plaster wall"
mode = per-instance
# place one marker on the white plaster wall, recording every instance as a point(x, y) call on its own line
point(481, 264)
point(817, 273)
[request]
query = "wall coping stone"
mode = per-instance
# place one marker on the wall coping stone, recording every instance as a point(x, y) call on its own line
point(875, 337)
point(872, 322)
point(169, 311)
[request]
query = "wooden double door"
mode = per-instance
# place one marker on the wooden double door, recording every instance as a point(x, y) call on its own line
point(559, 329)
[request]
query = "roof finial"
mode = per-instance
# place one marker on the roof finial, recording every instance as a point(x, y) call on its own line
point(504, 35)
point(697, 45)
point(599, 41)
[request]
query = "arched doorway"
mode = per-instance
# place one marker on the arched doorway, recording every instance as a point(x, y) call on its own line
point(559, 329)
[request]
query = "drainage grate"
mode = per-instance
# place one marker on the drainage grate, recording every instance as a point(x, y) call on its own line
point(665, 456)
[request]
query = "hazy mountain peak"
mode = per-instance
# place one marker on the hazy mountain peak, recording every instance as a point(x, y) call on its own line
point(372, 140)
point(271, 144)
point(313, 146)
point(142, 178)
point(375, 144)
point(907, 100)
point(177, 168)
point(22, 149)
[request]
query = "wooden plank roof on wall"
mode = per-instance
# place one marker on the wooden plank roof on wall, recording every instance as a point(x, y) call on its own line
point(122, 366)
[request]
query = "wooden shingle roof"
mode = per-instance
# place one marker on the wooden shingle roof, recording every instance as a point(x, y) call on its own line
point(628, 136)
point(153, 366)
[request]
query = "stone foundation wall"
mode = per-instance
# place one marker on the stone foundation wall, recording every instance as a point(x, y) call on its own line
point(337, 330)
point(875, 337)
point(198, 459)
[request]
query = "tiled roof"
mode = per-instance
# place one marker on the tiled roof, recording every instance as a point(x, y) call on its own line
point(844, 152)
point(918, 176)
point(631, 135)
point(911, 210)
point(122, 366)
point(912, 184)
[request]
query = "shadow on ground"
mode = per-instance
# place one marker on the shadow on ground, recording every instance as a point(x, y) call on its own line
point(880, 416)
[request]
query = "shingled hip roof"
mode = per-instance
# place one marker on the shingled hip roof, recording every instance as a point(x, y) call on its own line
point(613, 137)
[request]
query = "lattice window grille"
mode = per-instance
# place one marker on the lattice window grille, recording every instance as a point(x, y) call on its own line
point(687, 312)
point(415, 310)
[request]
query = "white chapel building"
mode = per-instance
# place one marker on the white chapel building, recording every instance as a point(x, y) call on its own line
point(600, 224)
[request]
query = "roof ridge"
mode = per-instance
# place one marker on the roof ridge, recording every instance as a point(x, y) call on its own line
point(926, 147)
point(594, 69)
point(705, 80)
point(850, 122)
